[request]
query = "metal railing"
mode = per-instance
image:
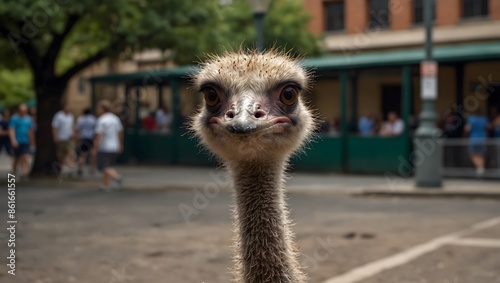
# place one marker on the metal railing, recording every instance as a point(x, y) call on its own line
point(456, 161)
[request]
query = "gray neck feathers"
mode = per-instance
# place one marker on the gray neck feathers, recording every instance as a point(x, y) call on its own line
point(264, 249)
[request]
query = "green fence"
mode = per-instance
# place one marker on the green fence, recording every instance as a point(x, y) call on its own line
point(325, 153)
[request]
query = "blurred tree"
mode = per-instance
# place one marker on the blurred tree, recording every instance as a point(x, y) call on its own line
point(56, 39)
point(40, 33)
point(16, 87)
point(285, 27)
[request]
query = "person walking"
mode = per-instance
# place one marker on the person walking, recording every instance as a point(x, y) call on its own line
point(84, 137)
point(4, 133)
point(62, 133)
point(108, 144)
point(477, 129)
point(21, 138)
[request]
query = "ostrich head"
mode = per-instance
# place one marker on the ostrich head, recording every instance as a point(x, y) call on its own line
point(253, 107)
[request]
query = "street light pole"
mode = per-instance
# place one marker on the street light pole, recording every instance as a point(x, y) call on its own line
point(426, 147)
point(259, 21)
point(428, 13)
point(259, 9)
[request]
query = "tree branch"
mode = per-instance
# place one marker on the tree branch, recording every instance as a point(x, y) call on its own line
point(50, 57)
point(19, 42)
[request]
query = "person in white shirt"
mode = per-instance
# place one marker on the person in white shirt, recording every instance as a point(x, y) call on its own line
point(163, 119)
point(393, 127)
point(62, 133)
point(108, 144)
point(84, 137)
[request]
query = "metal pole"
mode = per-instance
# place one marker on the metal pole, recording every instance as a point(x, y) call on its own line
point(426, 147)
point(93, 96)
point(176, 120)
point(344, 77)
point(259, 21)
point(428, 10)
point(137, 122)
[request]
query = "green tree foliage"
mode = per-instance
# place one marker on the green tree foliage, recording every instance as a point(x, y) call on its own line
point(285, 27)
point(56, 39)
point(16, 87)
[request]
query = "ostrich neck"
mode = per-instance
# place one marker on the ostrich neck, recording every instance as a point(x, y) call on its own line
point(265, 252)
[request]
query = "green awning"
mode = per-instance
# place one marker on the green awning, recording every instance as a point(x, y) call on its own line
point(443, 54)
point(349, 60)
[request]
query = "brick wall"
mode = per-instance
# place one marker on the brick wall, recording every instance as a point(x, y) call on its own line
point(401, 14)
point(317, 20)
point(356, 15)
point(494, 6)
point(448, 12)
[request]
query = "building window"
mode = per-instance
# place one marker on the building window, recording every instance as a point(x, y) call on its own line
point(379, 13)
point(418, 11)
point(334, 15)
point(475, 8)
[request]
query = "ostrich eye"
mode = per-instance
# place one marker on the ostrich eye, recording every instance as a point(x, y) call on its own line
point(289, 95)
point(211, 97)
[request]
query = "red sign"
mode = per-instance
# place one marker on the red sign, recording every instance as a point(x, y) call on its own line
point(428, 68)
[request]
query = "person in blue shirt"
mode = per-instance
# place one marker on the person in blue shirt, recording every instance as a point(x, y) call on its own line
point(4, 133)
point(477, 129)
point(21, 138)
point(366, 125)
point(495, 124)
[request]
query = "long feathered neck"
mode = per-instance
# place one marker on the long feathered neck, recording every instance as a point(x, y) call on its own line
point(264, 249)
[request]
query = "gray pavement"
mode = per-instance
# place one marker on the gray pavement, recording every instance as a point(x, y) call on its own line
point(161, 177)
point(78, 235)
point(172, 224)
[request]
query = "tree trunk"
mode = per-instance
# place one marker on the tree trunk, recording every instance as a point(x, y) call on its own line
point(49, 102)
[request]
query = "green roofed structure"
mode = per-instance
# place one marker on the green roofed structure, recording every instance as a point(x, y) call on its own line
point(347, 85)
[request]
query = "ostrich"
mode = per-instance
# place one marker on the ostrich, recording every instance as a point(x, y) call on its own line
point(254, 119)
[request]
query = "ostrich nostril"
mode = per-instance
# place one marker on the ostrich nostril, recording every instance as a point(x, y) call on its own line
point(260, 114)
point(230, 114)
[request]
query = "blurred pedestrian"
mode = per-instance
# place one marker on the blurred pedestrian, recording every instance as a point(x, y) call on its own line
point(62, 133)
point(4, 133)
point(495, 124)
point(451, 125)
point(32, 113)
point(477, 129)
point(84, 137)
point(393, 127)
point(163, 119)
point(108, 144)
point(148, 123)
point(21, 137)
point(366, 125)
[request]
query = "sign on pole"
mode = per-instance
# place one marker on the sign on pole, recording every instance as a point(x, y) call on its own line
point(428, 81)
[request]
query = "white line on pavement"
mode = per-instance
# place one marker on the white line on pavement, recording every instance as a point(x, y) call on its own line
point(476, 242)
point(370, 269)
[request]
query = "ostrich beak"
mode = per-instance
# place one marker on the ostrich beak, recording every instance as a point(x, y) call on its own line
point(240, 127)
point(246, 117)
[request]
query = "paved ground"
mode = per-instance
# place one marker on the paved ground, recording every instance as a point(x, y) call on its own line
point(69, 232)
point(78, 235)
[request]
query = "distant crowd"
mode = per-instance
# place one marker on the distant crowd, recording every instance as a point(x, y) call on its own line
point(368, 126)
point(453, 125)
point(155, 120)
point(89, 140)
